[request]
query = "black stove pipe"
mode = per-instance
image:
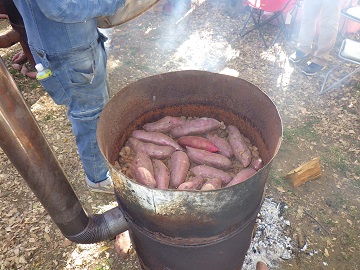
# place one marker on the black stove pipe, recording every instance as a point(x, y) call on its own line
point(27, 148)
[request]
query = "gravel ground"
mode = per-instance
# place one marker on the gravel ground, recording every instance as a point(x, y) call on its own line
point(323, 213)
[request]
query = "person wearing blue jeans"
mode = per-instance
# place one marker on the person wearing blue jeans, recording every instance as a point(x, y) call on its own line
point(63, 37)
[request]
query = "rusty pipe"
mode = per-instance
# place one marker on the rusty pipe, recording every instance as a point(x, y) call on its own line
point(27, 148)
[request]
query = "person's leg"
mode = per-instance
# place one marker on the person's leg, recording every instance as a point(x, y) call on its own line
point(9, 38)
point(308, 24)
point(328, 31)
point(307, 29)
point(84, 111)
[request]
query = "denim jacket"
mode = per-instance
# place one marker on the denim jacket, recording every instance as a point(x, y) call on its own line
point(57, 27)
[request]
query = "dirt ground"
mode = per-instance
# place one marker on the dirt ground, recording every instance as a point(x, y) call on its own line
point(324, 211)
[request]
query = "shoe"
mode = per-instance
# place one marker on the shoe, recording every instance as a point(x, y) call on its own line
point(297, 56)
point(105, 186)
point(312, 69)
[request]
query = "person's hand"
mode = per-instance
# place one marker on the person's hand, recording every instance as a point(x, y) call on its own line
point(19, 63)
point(261, 266)
point(19, 58)
point(123, 244)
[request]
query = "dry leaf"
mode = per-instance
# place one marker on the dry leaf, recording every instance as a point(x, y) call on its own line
point(326, 253)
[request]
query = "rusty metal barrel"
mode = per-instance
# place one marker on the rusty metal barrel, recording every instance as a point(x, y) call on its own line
point(202, 230)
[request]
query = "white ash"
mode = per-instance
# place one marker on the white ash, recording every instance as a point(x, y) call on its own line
point(270, 243)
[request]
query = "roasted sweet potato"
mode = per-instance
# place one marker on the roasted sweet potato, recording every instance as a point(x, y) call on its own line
point(210, 172)
point(240, 149)
point(193, 183)
point(142, 170)
point(212, 184)
point(165, 124)
point(161, 174)
point(223, 146)
point(203, 157)
point(257, 163)
point(195, 127)
point(198, 143)
point(179, 165)
point(152, 150)
point(242, 176)
point(156, 138)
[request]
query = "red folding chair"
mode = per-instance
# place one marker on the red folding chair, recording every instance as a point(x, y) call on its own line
point(277, 8)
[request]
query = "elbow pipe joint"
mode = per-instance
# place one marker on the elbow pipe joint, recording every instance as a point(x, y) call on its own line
point(101, 227)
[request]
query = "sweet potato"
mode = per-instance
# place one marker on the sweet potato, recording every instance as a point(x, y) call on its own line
point(257, 163)
point(243, 175)
point(152, 150)
point(179, 165)
point(165, 124)
point(198, 143)
point(195, 127)
point(161, 174)
point(210, 172)
point(223, 146)
point(156, 138)
point(142, 170)
point(240, 149)
point(192, 184)
point(203, 157)
point(212, 184)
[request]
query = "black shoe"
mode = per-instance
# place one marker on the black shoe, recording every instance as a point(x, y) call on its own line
point(297, 56)
point(312, 69)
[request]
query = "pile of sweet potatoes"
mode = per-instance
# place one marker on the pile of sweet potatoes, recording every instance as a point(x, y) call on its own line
point(188, 154)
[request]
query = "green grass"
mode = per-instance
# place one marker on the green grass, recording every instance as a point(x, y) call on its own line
point(275, 179)
point(335, 158)
point(134, 51)
point(48, 117)
point(34, 85)
point(128, 63)
point(305, 131)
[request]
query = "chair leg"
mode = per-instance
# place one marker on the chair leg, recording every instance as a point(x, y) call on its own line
point(256, 22)
point(282, 26)
point(295, 10)
point(322, 90)
point(258, 25)
point(245, 24)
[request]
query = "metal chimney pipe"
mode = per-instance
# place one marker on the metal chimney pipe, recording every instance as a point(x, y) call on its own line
point(26, 146)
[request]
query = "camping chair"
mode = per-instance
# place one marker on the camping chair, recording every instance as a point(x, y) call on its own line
point(350, 13)
point(256, 9)
point(350, 52)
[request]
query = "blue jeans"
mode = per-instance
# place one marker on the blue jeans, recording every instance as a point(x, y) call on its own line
point(79, 81)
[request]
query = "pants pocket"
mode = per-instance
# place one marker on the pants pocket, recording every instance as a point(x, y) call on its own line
point(55, 89)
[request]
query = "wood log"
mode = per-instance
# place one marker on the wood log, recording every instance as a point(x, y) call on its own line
point(306, 172)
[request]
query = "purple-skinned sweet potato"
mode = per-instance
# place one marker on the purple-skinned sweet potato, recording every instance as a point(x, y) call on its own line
point(165, 124)
point(142, 170)
point(240, 149)
point(156, 138)
point(179, 165)
point(210, 172)
point(242, 176)
point(223, 146)
point(161, 174)
point(192, 184)
point(198, 143)
point(203, 157)
point(257, 163)
point(195, 127)
point(151, 149)
point(212, 184)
